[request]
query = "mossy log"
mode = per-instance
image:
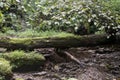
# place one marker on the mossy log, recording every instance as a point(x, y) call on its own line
point(56, 42)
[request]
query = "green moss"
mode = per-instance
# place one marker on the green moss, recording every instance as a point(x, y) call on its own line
point(30, 37)
point(28, 41)
point(25, 41)
point(19, 59)
point(5, 69)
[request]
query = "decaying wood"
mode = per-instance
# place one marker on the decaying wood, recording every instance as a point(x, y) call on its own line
point(67, 56)
point(72, 58)
point(55, 42)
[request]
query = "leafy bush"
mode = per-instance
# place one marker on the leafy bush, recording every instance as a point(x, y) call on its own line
point(79, 16)
point(113, 5)
point(19, 59)
point(11, 14)
point(82, 16)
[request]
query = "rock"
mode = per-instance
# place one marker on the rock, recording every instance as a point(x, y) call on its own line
point(91, 51)
point(102, 65)
point(94, 74)
point(40, 73)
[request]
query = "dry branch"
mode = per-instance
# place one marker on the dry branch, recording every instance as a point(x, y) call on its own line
point(72, 57)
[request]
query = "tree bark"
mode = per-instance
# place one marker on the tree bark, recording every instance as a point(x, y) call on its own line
point(55, 42)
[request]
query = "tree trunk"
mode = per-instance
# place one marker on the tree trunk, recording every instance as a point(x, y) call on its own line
point(56, 42)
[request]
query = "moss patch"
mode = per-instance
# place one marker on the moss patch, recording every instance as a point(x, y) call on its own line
point(25, 41)
point(29, 41)
point(19, 59)
point(5, 69)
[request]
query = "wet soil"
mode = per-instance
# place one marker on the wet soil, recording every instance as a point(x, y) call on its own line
point(97, 63)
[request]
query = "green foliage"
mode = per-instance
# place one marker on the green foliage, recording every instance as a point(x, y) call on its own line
point(34, 33)
point(11, 13)
point(42, 34)
point(20, 58)
point(62, 15)
point(66, 15)
point(113, 5)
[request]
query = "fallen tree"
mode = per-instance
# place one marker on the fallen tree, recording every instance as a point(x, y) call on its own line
point(56, 42)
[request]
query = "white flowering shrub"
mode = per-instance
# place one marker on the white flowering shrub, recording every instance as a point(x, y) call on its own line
point(81, 16)
point(11, 15)
point(75, 16)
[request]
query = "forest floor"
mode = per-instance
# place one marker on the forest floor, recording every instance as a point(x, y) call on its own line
point(97, 63)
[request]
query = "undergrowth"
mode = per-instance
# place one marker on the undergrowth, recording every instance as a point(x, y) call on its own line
point(33, 33)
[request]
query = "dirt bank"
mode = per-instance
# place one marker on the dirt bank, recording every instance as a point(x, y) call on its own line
point(98, 63)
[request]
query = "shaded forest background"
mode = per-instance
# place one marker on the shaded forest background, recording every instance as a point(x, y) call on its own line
point(26, 18)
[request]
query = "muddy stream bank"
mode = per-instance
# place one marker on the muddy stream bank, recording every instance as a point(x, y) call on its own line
point(98, 63)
